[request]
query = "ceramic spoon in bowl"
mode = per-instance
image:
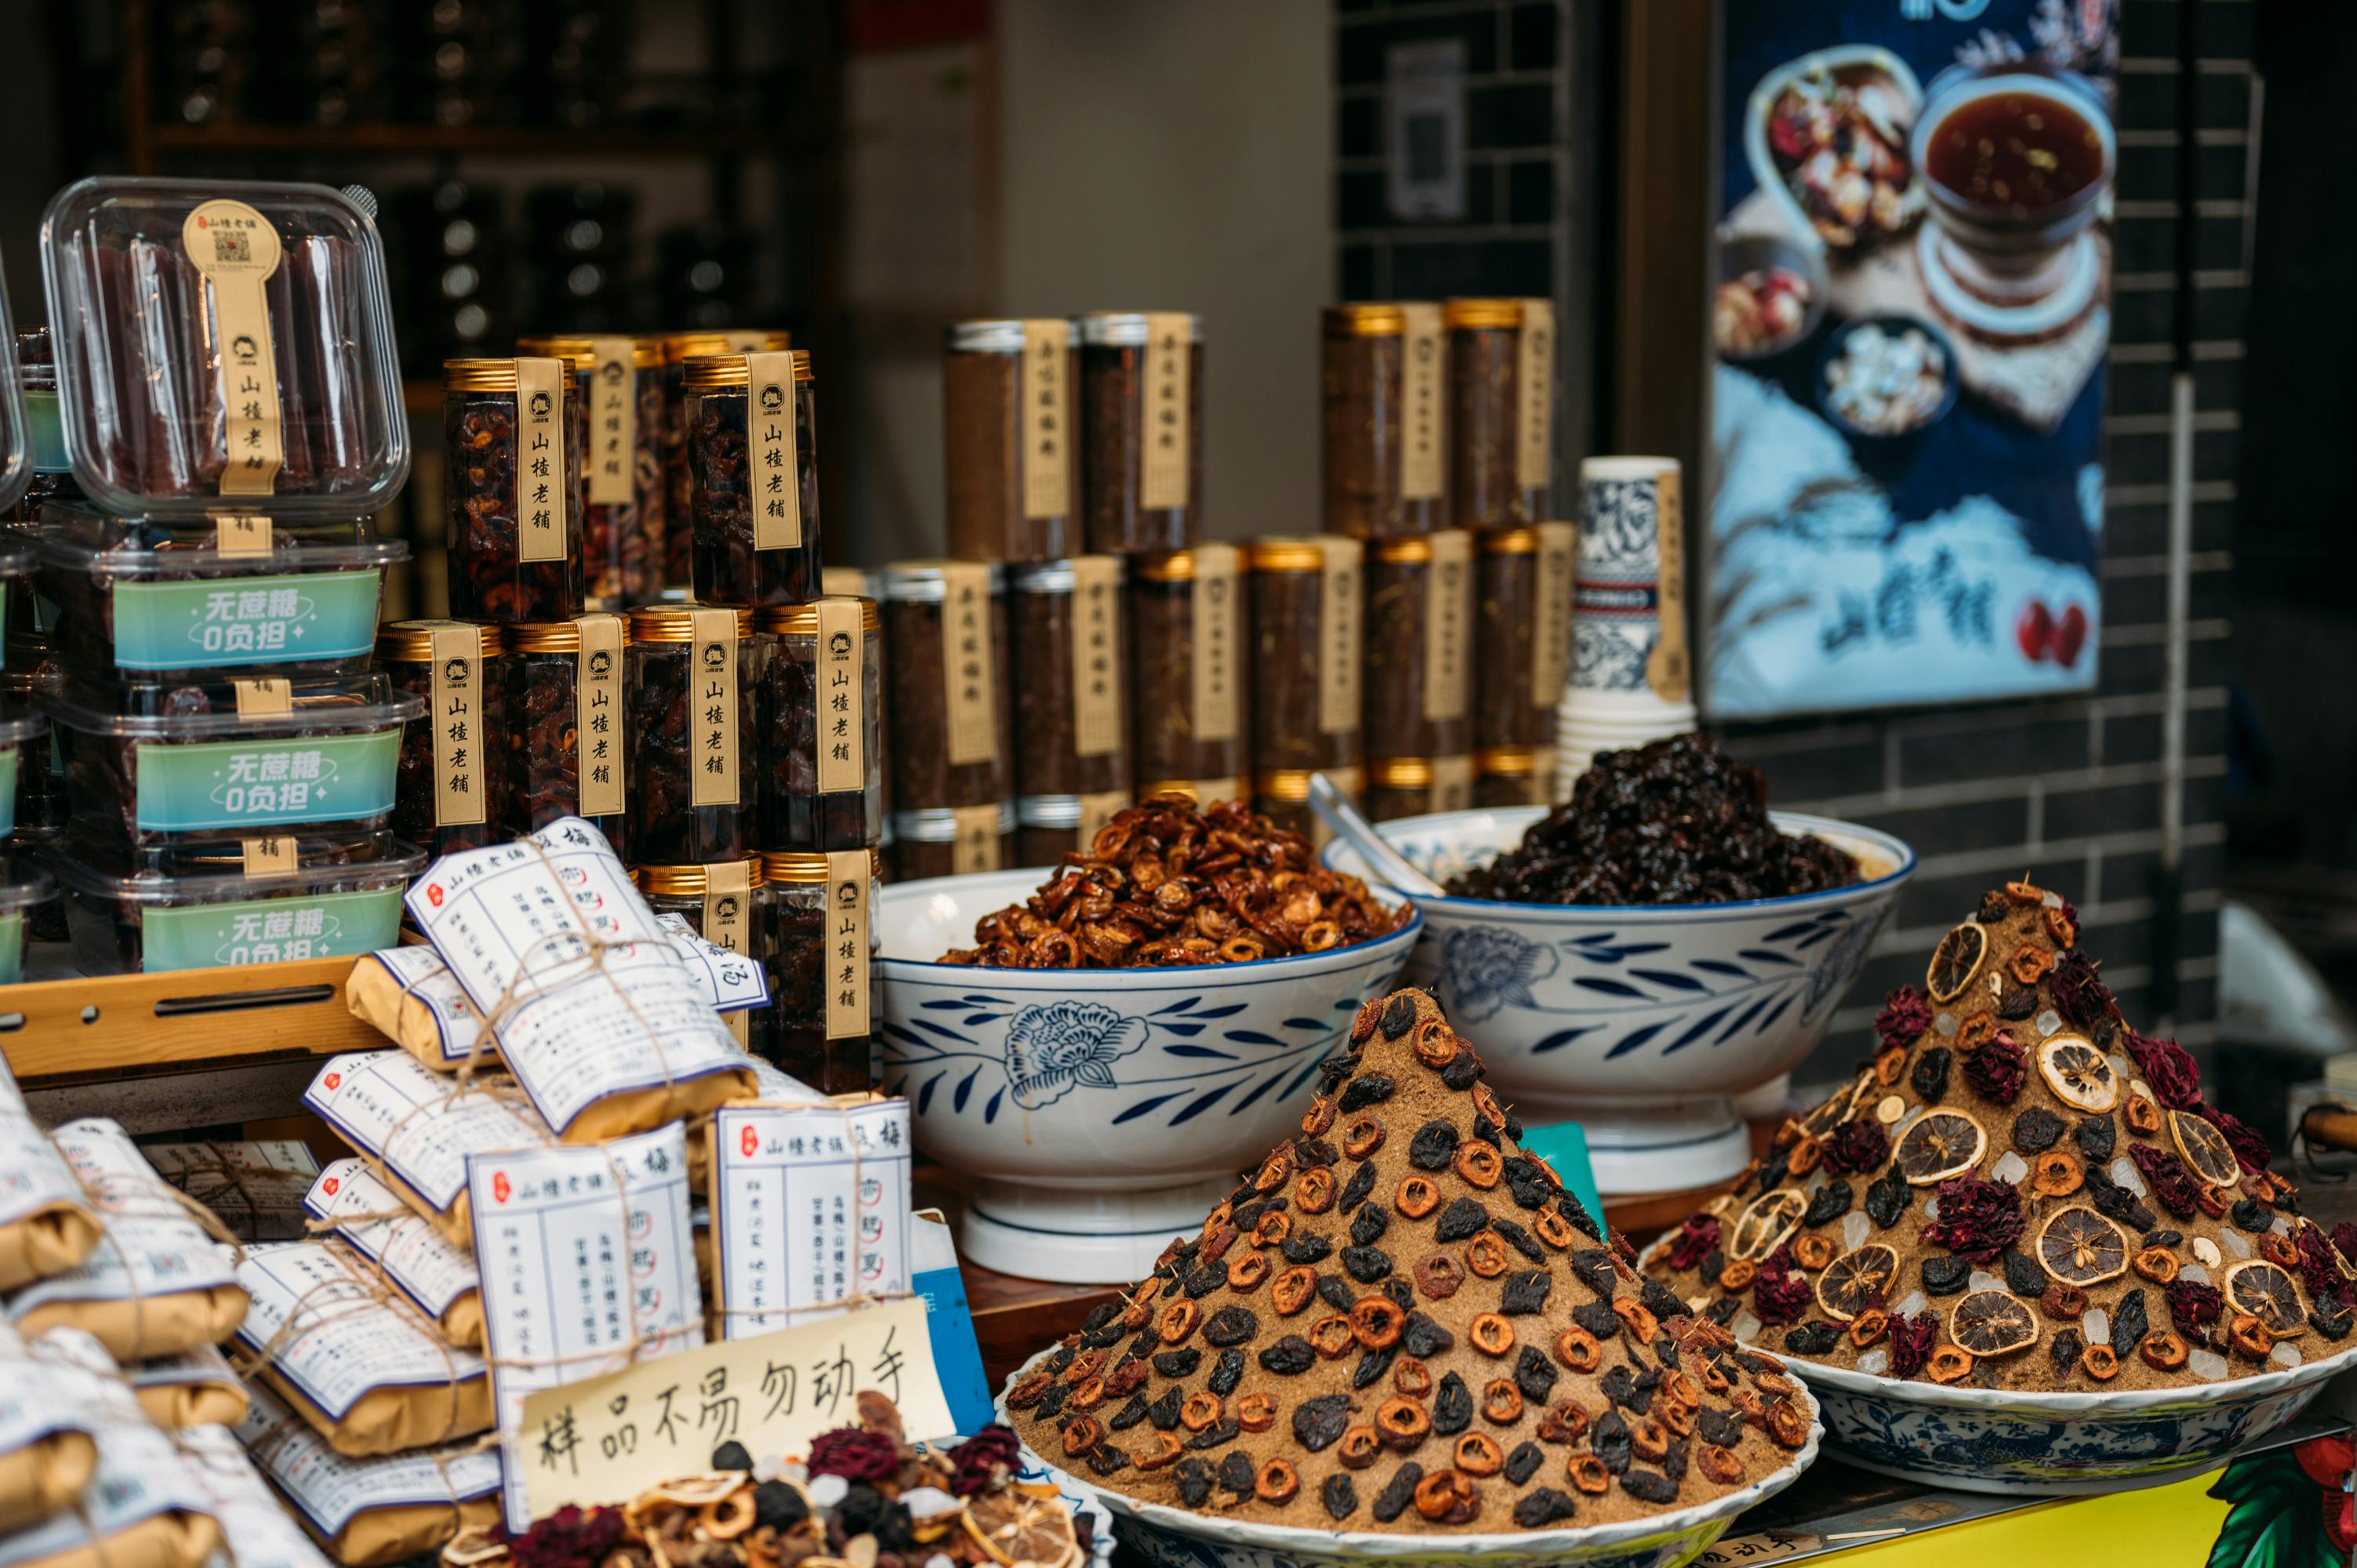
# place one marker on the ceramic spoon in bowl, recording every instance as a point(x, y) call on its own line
point(1344, 821)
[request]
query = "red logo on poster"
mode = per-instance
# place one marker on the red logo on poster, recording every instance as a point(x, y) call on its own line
point(500, 1187)
point(331, 1185)
point(434, 894)
point(334, 1080)
point(750, 1142)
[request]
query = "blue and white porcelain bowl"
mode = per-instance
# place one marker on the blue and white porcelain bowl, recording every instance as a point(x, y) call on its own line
point(1168, 1537)
point(1100, 1111)
point(1641, 1023)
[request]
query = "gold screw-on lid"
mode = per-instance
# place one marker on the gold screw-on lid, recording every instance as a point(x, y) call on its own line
point(1508, 761)
point(412, 641)
point(1363, 321)
point(678, 348)
point(688, 881)
point(581, 353)
point(1295, 552)
point(676, 623)
point(1507, 541)
point(1458, 313)
point(485, 375)
point(803, 618)
point(732, 370)
point(1292, 784)
point(806, 867)
point(557, 636)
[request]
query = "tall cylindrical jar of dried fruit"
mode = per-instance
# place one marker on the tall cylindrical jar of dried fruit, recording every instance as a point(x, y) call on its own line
point(728, 904)
point(1142, 414)
point(1306, 655)
point(1188, 723)
point(565, 707)
point(822, 947)
point(678, 348)
point(618, 420)
point(952, 841)
point(753, 467)
point(692, 683)
point(1514, 775)
point(1069, 735)
point(1500, 418)
point(1419, 646)
point(451, 783)
point(946, 671)
point(1009, 397)
point(823, 727)
point(1384, 393)
point(511, 502)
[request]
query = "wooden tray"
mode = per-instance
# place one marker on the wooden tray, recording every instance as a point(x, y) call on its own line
point(85, 1030)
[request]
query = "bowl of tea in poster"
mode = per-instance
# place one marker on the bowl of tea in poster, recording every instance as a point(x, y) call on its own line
point(2015, 159)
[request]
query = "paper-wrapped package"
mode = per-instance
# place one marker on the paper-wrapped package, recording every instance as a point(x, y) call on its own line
point(157, 1283)
point(351, 1203)
point(256, 1529)
point(46, 1454)
point(810, 1208)
point(350, 1355)
point(371, 1511)
point(46, 1223)
point(196, 1388)
point(417, 1128)
point(254, 1189)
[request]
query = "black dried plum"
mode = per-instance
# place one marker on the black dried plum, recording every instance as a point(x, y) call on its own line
point(1230, 1326)
point(2098, 1136)
point(2016, 1002)
point(1930, 1076)
point(1403, 1293)
point(1399, 1016)
point(1722, 1311)
point(1246, 1215)
point(1218, 1432)
point(1355, 1190)
point(1236, 1472)
point(2064, 1350)
point(1545, 1506)
point(2162, 1239)
point(1315, 1153)
point(1367, 1264)
point(1462, 1217)
point(1334, 1292)
point(1452, 1406)
point(1367, 1088)
point(1610, 1440)
point(1575, 1213)
point(1524, 1461)
point(1367, 1227)
point(1525, 1294)
point(1306, 1248)
point(1673, 1462)
point(1194, 1482)
point(1534, 1374)
point(1994, 907)
point(1598, 1318)
point(1107, 1460)
point(1318, 1423)
point(2250, 1214)
point(1649, 1486)
point(1104, 1313)
point(1723, 1427)
point(1422, 1338)
point(1128, 1415)
point(2129, 1324)
point(1289, 1357)
point(2332, 1319)
point(1206, 1279)
point(1053, 1401)
point(1665, 1345)
point(1886, 1200)
point(2286, 1200)
point(1594, 1267)
point(1434, 1145)
point(1527, 1182)
point(1143, 1345)
point(1945, 1276)
point(1660, 1300)
point(1229, 1373)
point(1616, 1384)
point(1463, 1071)
point(1062, 1358)
point(2037, 1130)
point(1514, 1128)
point(1372, 1365)
point(1484, 1129)
point(1521, 1239)
point(1833, 1201)
point(2022, 1275)
point(1341, 1498)
point(1397, 1493)
point(1813, 1339)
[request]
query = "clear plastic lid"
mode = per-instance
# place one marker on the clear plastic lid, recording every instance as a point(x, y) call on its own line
point(348, 704)
point(16, 559)
point(223, 346)
point(213, 864)
point(19, 725)
point(23, 885)
point(96, 870)
point(16, 439)
point(137, 549)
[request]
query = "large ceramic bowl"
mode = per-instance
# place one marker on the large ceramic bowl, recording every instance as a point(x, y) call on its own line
point(1174, 1538)
point(1100, 1111)
point(1641, 1022)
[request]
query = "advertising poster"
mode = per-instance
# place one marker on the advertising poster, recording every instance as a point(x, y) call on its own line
point(1910, 314)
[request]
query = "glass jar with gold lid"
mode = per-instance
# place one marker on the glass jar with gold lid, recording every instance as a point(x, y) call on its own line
point(753, 478)
point(451, 780)
point(822, 726)
point(1383, 394)
point(726, 903)
point(1306, 656)
point(618, 449)
point(1189, 723)
point(692, 683)
point(564, 706)
point(511, 495)
point(677, 349)
point(1419, 646)
point(1501, 411)
point(821, 948)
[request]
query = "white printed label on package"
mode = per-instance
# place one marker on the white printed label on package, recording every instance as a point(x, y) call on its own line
point(259, 1530)
point(329, 1489)
point(33, 1175)
point(581, 1277)
point(151, 1247)
point(343, 1341)
point(421, 1263)
point(417, 1123)
point(202, 1365)
point(812, 1209)
point(140, 1472)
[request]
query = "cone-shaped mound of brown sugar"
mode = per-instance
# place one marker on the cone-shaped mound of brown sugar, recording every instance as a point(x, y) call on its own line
point(1402, 1322)
point(2018, 1191)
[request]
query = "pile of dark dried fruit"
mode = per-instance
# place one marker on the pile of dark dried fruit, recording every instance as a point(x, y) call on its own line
point(1677, 822)
point(2020, 1191)
point(1403, 1322)
point(1166, 883)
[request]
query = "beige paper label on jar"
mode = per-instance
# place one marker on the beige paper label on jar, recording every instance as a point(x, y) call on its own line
point(268, 856)
point(1096, 655)
point(1452, 783)
point(769, 441)
point(1097, 809)
point(596, 717)
point(712, 708)
point(975, 848)
point(1338, 654)
point(237, 250)
point(847, 970)
point(1447, 625)
point(1424, 358)
point(247, 534)
point(1534, 398)
point(728, 904)
point(1169, 344)
point(968, 671)
point(454, 711)
point(264, 696)
point(1667, 670)
point(842, 697)
point(613, 413)
point(543, 499)
point(1047, 423)
point(1215, 653)
point(744, 342)
point(1551, 612)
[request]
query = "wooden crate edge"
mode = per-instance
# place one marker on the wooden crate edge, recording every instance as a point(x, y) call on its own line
point(186, 1018)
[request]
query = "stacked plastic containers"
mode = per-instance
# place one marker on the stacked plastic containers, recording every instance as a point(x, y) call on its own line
point(231, 416)
point(25, 888)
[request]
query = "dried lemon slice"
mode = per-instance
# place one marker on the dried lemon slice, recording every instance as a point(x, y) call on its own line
point(1764, 1225)
point(1993, 1323)
point(1856, 1280)
point(2080, 1075)
point(2205, 1149)
point(1837, 1109)
point(1016, 1529)
point(2079, 1247)
point(1940, 1145)
point(1955, 961)
point(2268, 1293)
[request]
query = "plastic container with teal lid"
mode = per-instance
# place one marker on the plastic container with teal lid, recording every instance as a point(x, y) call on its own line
point(24, 887)
point(24, 748)
point(225, 346)
point(16, 431)
point(141, 600)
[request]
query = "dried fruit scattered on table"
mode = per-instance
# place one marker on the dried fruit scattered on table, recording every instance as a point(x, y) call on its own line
point(2204, 1149)
point(2078, 1247)
point(2267, 1292)
point(1939, 1145)
point(2080, 1075)
point(1764, 1225)
point(1992, 1323)
point(1955, 961)
point(1856, 1281)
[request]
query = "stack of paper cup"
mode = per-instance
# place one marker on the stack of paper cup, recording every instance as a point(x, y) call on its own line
point(1632, 679)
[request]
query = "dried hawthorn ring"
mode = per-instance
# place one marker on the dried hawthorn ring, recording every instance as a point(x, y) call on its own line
point(1750, 1404)
point(1950, 1364)
point(1736, 1276)
point(1279, 1482)
point(1889, 1067)
point(1375, 1321)
point(1217, 1217)
point(2213, 1201)
point(1138, 1315)
point(1501, 1401)
point(1417, 1197)
point(1411, 1377)
point(1637, 1318)
point(2058, 926)
point(1713, 1379)
point(1215, 1246)
point(1402, 1422)
point(2144, 1116)
point(2100, 1362)
point(1248, 1270)
point(1361, 1446)
point(1171, 1450)
point(1478, 1453)
point(1125, 1378)
point(1434, 1042)
point(1718, 1464)
point(1787, 1427)
point(727, 1518)
point(1812, 1252)
point(1085, 1365)
point(1492, 1334)
point(1315, 1191)
point(1203, 1409)
point(1256, 1411)
point(1294, 1289)
point(1274, 1172)
point(1317, 1118)
point(1868, 1328)
point(1437, 1276)
point(1648, 1439)
point(1084, 1435)
point(1678, 1418)
point(1576, 1349)
point(2029, 964)
point(2057, 1173)
point(1554, 1229)
point(1486, 1103)
point(1370, 1013)
point(2025, 892)
point(1178, 1321)
point(1678, 1389)
point(1805, 1156)
point(1329, 1337)
point(2063, 1304)
point(1975, 1032)
point(1442, 1493)
point(2163, 1349)
point(2278, 1249)
point(1362, 1137)
point(1087, 1394)
point(1274, 1226)
point(1031, 1390)
point(1478, 1162)
point(2250, 1336)
point(1587, 1474)
point(2157, 1264)
point(1486, 1255)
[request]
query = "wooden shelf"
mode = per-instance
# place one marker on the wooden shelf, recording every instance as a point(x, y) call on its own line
point(83, 1030)
point(384, 140)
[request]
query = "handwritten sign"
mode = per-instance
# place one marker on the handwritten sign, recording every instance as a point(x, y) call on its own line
point(598, 1440)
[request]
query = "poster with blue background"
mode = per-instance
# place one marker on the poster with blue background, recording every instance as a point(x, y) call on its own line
point(1909, 314)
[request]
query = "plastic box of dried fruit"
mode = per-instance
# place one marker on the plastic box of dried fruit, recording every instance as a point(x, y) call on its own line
point(223, 345)
point(23, 886)
point(146, 911)
point(142, 601)
point(154, 764)
point(22, 735)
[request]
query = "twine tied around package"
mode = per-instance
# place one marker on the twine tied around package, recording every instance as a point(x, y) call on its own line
point(265, 1448)
point(113, 1203)
point(234, 1177)
point(856, 1299)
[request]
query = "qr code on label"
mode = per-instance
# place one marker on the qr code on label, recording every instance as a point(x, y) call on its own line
point(232, 245)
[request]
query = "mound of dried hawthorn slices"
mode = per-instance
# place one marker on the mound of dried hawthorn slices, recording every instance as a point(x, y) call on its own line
point(1403, 1322)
